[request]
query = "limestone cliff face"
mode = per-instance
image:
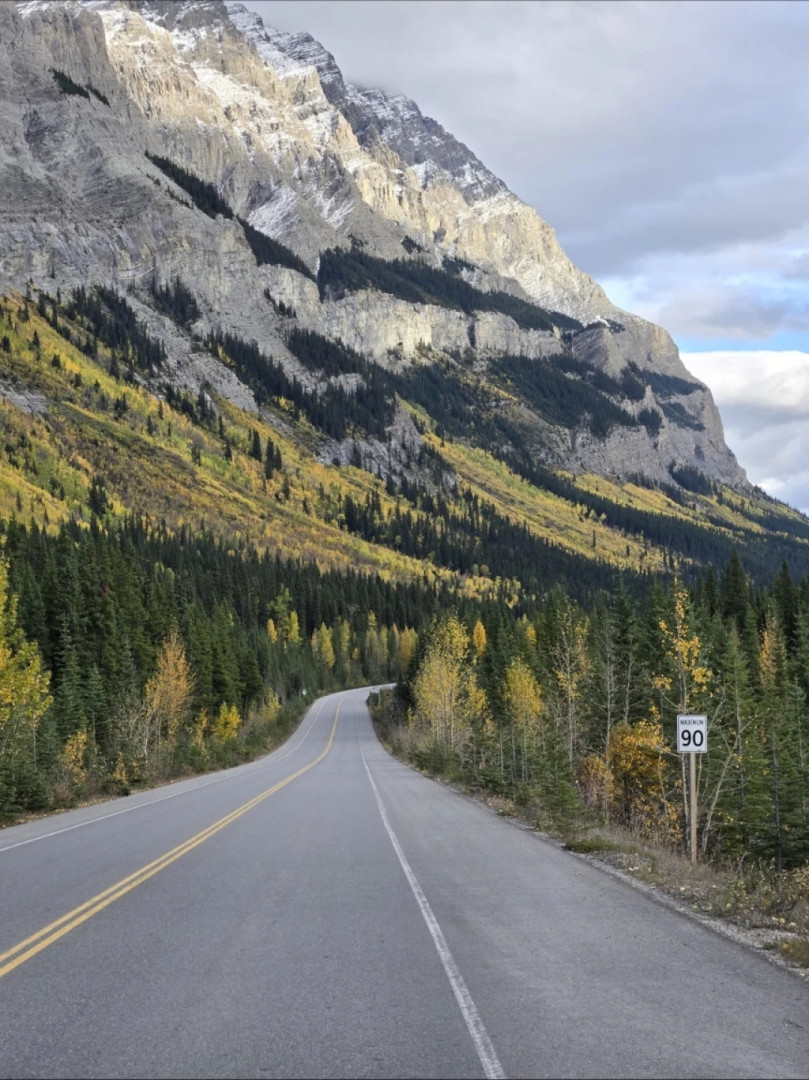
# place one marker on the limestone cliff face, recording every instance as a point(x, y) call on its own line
point(311, 161)
point(388, 330)
point(435, 186)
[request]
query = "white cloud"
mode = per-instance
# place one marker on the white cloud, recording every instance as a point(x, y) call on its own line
point(665, 141)
point(743, 291)
point(763, 398)
point(632, 127)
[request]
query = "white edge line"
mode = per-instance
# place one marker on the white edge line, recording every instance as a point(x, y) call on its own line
point(163, 798)
point(483, 1044)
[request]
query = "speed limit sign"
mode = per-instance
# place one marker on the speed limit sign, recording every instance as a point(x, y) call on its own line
point(692, 734)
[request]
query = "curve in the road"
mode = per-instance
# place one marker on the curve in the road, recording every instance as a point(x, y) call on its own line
point(363, 922)
point(37, 942)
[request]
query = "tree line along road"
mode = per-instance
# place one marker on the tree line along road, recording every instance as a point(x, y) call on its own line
point(326, 911)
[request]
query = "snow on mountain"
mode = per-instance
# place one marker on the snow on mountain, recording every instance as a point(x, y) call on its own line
point(267, 118)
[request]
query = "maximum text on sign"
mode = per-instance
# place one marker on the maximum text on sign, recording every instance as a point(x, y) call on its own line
point(692, 734)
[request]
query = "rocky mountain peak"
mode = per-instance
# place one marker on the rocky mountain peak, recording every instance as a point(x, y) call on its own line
point(96, 92)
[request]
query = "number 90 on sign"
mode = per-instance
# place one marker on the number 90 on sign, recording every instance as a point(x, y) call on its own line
point(692, 734)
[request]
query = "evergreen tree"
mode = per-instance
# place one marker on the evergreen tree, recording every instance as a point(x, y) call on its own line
point(739, 805)
point(734, 592)
point(255, 446)
point(782, 705)
point(97, 498)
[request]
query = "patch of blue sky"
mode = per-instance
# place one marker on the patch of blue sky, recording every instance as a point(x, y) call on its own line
point(782, 341)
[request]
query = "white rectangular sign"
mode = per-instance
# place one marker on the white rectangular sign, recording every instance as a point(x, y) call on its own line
point(692, 734)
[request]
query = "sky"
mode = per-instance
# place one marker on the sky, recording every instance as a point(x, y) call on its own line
point(667, 142)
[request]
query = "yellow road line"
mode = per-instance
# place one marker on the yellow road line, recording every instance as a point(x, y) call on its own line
point(34, 944)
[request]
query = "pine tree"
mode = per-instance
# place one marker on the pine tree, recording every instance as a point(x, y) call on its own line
point(97, 498)
point(269, 460)
point(68, 696)
point(255, 446)
point(782, 707)
point(734, 591)
point(739, 803)
point(615, 684)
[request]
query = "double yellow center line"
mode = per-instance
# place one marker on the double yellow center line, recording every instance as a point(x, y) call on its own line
point(34, 944)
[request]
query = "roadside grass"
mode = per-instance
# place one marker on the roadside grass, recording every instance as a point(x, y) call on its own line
point(767, 910)
point(771, 908)
point(590, 845)
point(796, 951)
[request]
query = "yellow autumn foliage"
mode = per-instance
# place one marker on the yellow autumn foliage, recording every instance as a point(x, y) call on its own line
point(684, 648)
point(633, 784)
point(294, 633)
point(168, 696)
point(408, 639)
point(479, 639)
point(523, 698)
point(24, 695)
point(226, 725)
point(71, 760)
point(447, 697)
point(120, 773)
point(323, 647)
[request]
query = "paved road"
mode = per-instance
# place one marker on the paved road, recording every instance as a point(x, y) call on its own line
point(327, 912)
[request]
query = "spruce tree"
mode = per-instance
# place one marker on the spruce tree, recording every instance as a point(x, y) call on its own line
point(255, 446)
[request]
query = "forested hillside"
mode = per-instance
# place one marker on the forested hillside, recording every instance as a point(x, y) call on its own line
point(295, 398)
point(180, 575)
point(572, 711)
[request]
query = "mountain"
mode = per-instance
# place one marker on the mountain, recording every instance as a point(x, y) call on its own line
point(200, 209)
point(295, 395)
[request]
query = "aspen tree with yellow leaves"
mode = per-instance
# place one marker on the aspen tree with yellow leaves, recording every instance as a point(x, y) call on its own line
point(71, 771)
point(570, 664)
point(323, 647)
point(293, 635)
point(408, 639)
point(24, 699)
point(479, 639)
point(523, 699)
point(448, 700)
point(638, 791)
point(226, 726)
point(683, 647)
point(166, 701)
point(687, 688)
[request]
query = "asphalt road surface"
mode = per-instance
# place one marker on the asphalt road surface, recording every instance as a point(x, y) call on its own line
point(327, 912)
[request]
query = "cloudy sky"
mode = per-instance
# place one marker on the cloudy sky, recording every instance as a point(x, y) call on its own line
point(667, 142)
